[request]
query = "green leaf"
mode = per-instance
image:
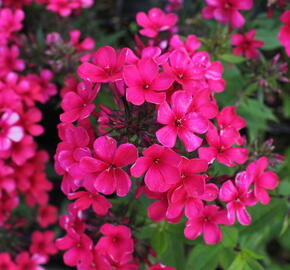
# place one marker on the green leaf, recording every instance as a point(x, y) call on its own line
point(159, 241)
point(239, 262)
point(252, 254)
point(286, 105)
point(204, 257)
point(230, 236)
point(269, 37)
point(174, 255)
point(231, 58)
point(257, 115)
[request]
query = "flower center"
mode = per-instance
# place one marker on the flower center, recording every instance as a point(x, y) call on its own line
point(178, 122)
point(156, 160)
point(146, 86)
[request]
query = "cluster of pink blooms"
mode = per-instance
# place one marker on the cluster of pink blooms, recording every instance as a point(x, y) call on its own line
point(227, 11)
point(62, 7)
point(166, 131)
point(22, 163)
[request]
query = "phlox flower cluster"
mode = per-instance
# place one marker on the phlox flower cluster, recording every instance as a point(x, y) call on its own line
point(62, 7)
point(22, 163)
point(161, 138)
point(227, 11)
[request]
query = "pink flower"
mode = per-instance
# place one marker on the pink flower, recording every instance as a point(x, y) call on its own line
point(86, 45)
point(10, 21)
point(181, 68)
point(86, 199)
point(207, 74)
point(11, 131)
point(62, 7)
point(190, 45)
point(107, 66)
point(6, 262)
point(262, 179)
point(246, 45)
point(220, 148)
point(145, 83)
point(206, 222)
point(284, 33)
point(191, 189)
point(116, 241)
point(107, 163)
point(79, 105)
point(30, 120)
point(23, 150)
point(238, 197)
point(79, 249)
point(99, 262)
point(179, 122)
point(43, 243)
point(228, 118)
point(161, 166)
point(227, 11)
point(155, 22)
point(7, 181)
point(9, 60)
point(47, 215)
point(72, 149)
point(25, 262)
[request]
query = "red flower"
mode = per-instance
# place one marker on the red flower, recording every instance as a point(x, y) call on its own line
point(79, 249)
point(246, 45)
point(107, 163)
point(161, 166)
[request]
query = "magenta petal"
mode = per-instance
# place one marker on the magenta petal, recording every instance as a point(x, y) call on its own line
point(141, 165)
point(167, 136)
point(196, 123)
point(154, 97)
point(174, 210)
point(236, 19)
point(228, 191)
point(92, 73)
point(243, 216)
point(148, 70)
point(106, 57)
point(231, 213)
point(268, 180)
point(165, 114)
point(154, 180)
point(132, 76)
point(126, 154)
point(162, 82)
point(105, 182)
point(190, 141)
point(123, 182)
point(135, 95)
point(170, 174)
point(211, 233)
point(193, 229)
point(262, 195)
point(105, 148)
point(91, 165)
point(71, 257)
point(193, 207)
point(180, 102)
point(157, 210)
point(195, 185)
point(71, 101)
